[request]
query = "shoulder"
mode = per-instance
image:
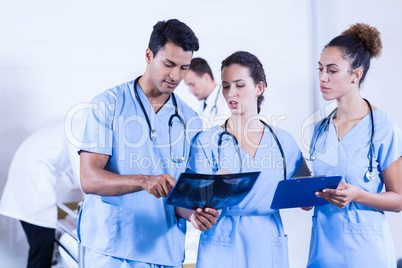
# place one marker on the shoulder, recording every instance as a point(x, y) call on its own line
point(209, 135)
point(287, 141)
point(113, 99)
point(112, 94)
point(384, 125)
point(381, 119)
point(284, 135)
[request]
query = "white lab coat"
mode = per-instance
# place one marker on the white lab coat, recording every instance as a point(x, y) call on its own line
point(44, 169)
point(217, 110)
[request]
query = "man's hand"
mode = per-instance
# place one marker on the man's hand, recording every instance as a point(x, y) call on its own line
point(158, 185)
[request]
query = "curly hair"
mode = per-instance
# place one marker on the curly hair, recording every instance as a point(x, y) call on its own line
point(359, 44)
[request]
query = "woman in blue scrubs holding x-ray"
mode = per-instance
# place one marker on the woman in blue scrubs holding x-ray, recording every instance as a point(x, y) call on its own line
point(359, 142)
point(251, 234)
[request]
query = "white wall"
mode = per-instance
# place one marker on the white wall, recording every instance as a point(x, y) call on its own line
point(57, 54)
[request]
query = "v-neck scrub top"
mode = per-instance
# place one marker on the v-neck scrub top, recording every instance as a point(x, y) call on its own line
point(250, 235)
point(135, 226)
point(356, 236)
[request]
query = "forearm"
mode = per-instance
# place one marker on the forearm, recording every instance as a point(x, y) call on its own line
point(184, 213)
point(385, 201)
point(102, 182)
point(391, 199)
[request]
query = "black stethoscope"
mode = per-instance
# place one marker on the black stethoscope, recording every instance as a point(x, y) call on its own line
point(152, 133)
point(313, 152)
point(226, 132)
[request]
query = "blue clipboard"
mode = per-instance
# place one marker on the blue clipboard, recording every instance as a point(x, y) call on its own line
point(205, 190)
point(300, 191)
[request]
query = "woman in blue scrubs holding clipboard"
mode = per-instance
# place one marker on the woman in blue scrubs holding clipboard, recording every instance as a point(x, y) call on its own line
point(250, 234)
point(359, 142)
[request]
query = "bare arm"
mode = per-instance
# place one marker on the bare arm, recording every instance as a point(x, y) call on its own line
point(390, 200)
point(96, 180)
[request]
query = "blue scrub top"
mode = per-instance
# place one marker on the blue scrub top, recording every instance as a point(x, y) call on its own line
point(356, 236)
point(136, 226)
point(251, 234)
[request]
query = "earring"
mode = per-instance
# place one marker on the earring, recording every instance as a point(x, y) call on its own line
point(353, 81)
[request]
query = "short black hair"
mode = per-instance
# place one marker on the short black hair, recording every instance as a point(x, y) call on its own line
point(254, 65)
point(200, 67)
point(173, 31)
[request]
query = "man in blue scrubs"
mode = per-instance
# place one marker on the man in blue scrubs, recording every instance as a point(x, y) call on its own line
point(126, 169)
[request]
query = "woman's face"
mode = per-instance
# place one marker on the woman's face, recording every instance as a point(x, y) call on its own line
point(334, 75)
point(239, 89)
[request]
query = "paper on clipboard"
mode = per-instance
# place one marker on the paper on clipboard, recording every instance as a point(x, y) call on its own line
point(300, 191)
point(205, 190)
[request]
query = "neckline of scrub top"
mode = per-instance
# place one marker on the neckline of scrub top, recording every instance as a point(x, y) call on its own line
point(167, 108)
point(242, 151)
point(355, 128)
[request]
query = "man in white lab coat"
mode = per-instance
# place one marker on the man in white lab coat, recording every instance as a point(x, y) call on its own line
point(214, 109)
point(44, 170)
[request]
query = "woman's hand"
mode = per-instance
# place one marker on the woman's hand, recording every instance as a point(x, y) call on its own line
point(307, 208)
point(342, 195)
point(204, 219)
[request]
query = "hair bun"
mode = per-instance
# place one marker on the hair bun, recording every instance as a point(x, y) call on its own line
point(369, 36)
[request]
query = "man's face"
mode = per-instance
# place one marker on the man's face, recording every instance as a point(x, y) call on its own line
point(197, 85)
point(168, 67)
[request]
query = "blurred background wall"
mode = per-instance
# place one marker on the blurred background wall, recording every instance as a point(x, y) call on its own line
point(56, 55)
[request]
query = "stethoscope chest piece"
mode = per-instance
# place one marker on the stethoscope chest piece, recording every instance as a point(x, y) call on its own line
point(370, 175)
point(312, 158)
point(152, 135)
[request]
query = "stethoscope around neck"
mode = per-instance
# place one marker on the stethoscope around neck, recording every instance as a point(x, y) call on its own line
point(214, 108)
point(226, 132)
point(152, 133)
point(325, 125)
